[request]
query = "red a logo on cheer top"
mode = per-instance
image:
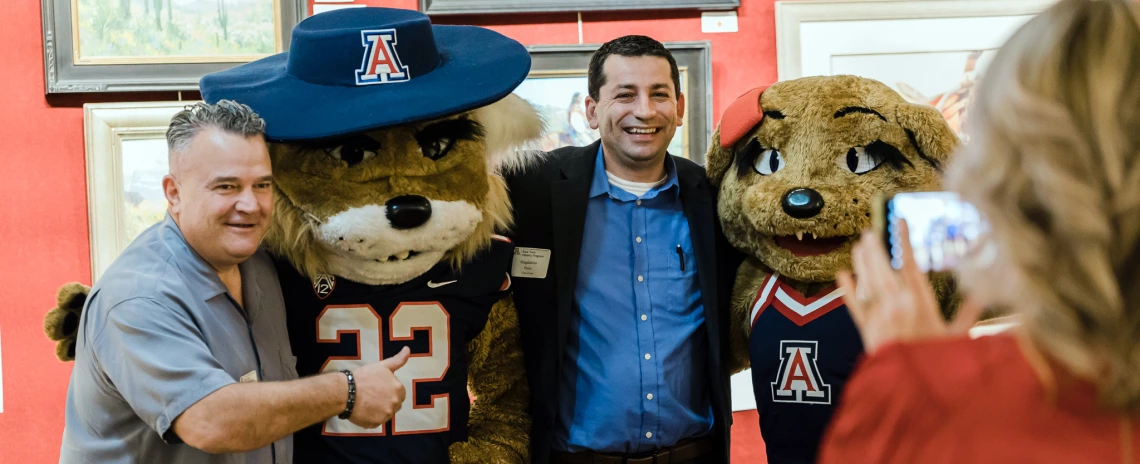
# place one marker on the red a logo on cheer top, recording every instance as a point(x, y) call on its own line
point(381, 64)
point(798, 380)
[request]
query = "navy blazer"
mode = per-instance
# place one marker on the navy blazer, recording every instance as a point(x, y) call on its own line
point(549, 201)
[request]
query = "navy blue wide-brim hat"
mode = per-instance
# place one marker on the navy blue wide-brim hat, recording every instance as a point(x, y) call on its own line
point(359, 69)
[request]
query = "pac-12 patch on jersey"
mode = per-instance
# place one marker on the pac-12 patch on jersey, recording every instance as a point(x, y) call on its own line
point(381, 63)
point(324, 285)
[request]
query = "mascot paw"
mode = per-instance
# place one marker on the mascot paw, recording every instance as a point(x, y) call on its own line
point(62, 323)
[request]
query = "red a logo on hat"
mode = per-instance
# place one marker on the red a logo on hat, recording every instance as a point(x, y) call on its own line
point(381, 64)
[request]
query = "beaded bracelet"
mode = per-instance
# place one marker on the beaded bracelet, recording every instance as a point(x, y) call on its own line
point(351, 395)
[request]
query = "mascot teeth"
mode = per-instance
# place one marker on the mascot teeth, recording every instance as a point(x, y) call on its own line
point(403, 255)
point(799, 235)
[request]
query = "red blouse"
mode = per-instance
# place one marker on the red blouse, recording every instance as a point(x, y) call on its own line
point(972, 401)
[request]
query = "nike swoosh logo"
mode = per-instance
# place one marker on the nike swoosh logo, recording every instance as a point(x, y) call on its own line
point(431, 284)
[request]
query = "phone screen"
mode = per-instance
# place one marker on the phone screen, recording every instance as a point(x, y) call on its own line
point(943, 228)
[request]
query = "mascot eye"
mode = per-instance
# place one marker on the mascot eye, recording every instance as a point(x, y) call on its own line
point(859, 161)
point(769, 162)
point(437, 148)
point(437, 139)
point(351, 153)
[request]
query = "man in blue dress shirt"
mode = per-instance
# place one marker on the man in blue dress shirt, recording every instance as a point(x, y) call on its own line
point(621, 279)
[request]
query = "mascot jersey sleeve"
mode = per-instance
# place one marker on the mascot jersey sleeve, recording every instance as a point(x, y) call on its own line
point(337, 324)
point(802, 351)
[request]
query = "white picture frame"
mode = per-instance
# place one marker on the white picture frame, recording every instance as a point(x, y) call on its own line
point(798, 54)
point(112, 130)
point(930, 51)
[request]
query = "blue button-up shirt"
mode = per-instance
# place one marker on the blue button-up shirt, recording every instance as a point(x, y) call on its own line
point(633, 376)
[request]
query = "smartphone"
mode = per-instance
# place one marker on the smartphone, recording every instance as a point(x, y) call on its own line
point(944, 229)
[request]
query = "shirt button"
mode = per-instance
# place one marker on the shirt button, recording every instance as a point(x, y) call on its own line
point(638, 202)
point(647, 356)
point(638, 239)
point(649, 396)
point(648, 434)
point(640, 279)
point(644, 317)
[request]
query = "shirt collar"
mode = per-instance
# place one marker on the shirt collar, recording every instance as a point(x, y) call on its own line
point(193, 267)
point(601, 185)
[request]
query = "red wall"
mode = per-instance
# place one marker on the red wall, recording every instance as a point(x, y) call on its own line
point(43, 201)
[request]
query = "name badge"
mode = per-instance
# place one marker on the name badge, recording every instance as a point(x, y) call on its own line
point(248, 378)
point(530, 263)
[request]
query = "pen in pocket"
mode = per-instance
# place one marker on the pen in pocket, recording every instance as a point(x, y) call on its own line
point(681, 256)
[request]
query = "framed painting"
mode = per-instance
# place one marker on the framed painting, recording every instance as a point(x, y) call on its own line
point(144, 45)
point(444, 7)
point(930, 51)
point(556, 86)
point(126, 160)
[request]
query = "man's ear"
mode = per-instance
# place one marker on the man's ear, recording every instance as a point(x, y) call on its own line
point(929, 133)
point(680, 108)
point(173, 195)
point(591, 112)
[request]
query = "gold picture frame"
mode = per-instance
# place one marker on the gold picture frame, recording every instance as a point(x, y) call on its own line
point(126, 160)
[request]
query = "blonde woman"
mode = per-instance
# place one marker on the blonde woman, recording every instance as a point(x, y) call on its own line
point(1053, 163)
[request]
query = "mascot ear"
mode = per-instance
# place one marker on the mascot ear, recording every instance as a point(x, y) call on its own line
point(928, 132)
point(738, 121)
point(509, 126)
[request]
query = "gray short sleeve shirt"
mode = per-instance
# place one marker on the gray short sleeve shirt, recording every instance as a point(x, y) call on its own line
point(160, 332)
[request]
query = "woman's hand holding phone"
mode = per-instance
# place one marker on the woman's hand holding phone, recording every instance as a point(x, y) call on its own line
point(891, 305)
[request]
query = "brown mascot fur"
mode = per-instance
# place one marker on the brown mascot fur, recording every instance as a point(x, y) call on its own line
point(849, 140)
point(314, 183)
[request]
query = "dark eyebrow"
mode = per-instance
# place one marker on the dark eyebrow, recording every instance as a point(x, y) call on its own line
point(231, 179)
point(774, 114)
point(857, 109)
point(659, 85)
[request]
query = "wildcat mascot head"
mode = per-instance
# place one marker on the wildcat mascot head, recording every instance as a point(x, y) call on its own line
point(389, 142)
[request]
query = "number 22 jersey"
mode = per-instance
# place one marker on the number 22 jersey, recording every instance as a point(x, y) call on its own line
point(337, 324)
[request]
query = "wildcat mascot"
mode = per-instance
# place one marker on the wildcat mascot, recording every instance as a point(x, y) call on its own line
point(389, 139)
point(798, 166)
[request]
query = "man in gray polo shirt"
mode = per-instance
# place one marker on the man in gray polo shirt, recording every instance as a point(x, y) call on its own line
point(182, 350)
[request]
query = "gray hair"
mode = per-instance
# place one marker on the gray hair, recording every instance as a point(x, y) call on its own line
point(227, 115)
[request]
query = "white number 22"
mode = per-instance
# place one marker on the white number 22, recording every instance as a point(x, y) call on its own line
point(422, 367)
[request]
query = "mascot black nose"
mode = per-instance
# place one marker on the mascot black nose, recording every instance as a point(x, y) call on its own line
point(408, 211)
point(802, 203)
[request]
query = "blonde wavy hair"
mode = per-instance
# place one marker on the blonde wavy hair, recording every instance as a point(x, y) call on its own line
point(1053, 163)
